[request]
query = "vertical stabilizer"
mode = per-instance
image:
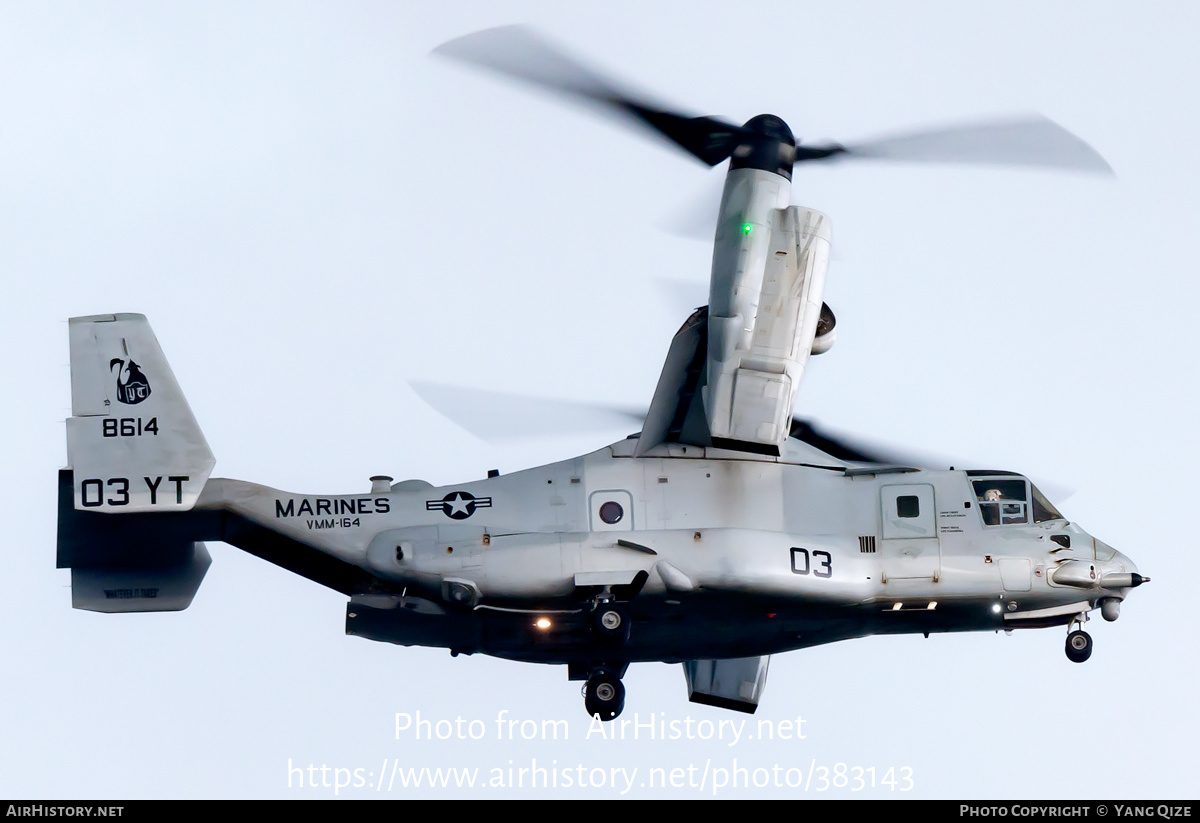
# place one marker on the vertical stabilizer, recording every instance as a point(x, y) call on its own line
point(132, 441)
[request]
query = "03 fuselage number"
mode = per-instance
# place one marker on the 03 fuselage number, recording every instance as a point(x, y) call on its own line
point(114, 491)
point(817, 563)
point(129, 426)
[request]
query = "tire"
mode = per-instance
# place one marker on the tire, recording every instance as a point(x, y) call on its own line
point(610, 624)
point(604, 696)
point(1079, 646)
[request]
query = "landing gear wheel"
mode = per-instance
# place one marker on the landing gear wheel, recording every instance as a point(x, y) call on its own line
point(611, 624)
point(604, 696)
point(1079, 646)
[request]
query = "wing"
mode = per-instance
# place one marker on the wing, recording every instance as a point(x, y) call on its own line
point(676, 412)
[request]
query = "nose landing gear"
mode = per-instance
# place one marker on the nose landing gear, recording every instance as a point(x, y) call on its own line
point(1079, 646)
point(1079, 642)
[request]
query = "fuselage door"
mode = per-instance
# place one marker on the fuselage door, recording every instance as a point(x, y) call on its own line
point(911, 549)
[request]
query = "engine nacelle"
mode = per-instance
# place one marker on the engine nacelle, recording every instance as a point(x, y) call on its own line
point(826, 334)
point(768, 275)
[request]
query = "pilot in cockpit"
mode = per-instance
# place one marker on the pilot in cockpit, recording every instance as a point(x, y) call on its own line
point(991, 514)
point(1002, 502)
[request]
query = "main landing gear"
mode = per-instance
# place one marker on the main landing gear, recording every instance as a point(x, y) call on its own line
point(610, 624)
point(604, 695)
point(1079, 642)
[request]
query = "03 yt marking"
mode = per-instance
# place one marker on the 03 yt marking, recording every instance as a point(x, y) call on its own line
point(92, 490)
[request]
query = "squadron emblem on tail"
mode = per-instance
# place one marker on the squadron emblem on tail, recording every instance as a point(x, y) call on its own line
point(132, 385)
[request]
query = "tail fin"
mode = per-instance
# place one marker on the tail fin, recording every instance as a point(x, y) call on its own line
point(138, 462)
point(132, 441)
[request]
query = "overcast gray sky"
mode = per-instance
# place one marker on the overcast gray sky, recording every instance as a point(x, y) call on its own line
point(311, 211)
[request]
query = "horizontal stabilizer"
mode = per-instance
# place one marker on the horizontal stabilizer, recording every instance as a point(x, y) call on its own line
point(150, 562)
point(166, 586)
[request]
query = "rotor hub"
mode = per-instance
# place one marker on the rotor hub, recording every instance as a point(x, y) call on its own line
point(766, 144)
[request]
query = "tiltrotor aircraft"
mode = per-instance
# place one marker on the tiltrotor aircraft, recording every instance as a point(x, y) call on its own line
point(720, 534)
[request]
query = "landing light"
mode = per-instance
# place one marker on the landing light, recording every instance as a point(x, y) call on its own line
point(996, 608)
point(542, 623)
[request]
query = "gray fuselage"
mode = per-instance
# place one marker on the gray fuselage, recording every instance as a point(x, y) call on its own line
point(718, 554)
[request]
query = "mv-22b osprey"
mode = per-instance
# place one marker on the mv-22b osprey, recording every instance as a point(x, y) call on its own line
point(720, 534)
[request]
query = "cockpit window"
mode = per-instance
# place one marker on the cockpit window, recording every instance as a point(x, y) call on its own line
point(1043, 509)
point(1002, 501)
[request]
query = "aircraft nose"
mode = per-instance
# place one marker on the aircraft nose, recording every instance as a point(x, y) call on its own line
point(1118, 575)
point(1120, 572)
point(1124, 561)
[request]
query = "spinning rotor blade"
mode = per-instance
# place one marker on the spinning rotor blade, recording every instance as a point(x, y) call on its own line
point(519, 53)
point(498, 416)
point(858, 451)
point(1027, 141)
point(855, 450)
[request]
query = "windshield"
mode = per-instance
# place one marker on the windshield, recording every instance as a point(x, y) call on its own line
point(1043, 509)
point(1005, 500)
